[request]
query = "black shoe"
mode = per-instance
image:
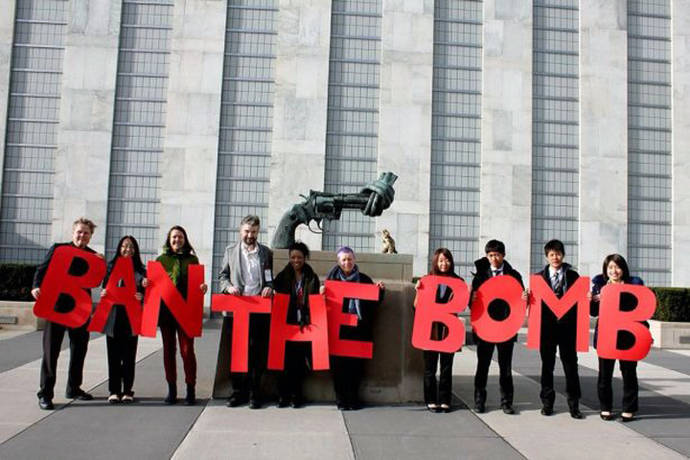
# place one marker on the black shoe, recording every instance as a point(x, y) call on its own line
point(576, 414)
point(45, 403)
point(79, 394)
point(190, 399)
point(479, 407)
point(237, 399)
point(546, 410)
point(627, 418)
point(172, 394)
point(296, 402)
point(507, 409)
point(341, 406)
point(283, 402)
point(607, 417)
point(254, 404)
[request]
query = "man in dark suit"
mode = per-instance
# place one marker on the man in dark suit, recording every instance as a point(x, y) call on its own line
point(53, 333)
point(559, 333)
point(248, 270)
point(494, 264)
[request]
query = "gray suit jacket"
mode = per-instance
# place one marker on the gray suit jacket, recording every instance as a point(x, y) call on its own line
point(231, 273)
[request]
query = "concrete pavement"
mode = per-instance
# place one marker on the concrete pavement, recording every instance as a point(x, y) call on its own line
point(149, 429)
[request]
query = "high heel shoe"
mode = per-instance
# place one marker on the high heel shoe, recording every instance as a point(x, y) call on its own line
point(432, 407)
point(606, 416)
point(627, 417)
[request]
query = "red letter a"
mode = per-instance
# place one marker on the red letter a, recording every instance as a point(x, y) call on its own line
point(281, 332)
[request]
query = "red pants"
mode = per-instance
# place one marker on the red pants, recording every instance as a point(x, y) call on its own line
point(186, 350)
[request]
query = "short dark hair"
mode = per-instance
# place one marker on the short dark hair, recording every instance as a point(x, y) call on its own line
point(186, 249)
point(299, 246)
point(554, 245)
point(434, 263)
point(618, 260)
point(251, 220)
point(495, 246)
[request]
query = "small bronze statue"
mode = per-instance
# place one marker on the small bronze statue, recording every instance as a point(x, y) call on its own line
point(388, 246)
point(371, 200)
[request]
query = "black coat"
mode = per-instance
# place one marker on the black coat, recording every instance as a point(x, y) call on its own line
point(625, 339)
point(499, 309)
point(118, 321)
point(549, 321)
point(79, 266)
point(284, 283)
point(363, 330)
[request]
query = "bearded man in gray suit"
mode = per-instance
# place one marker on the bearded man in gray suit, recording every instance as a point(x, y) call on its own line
point(247, 270)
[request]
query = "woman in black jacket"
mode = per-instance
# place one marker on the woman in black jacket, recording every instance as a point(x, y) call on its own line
point(347, 372)
point(299, 281)
point(121, 343)
point(615, 271)
point(438, 396)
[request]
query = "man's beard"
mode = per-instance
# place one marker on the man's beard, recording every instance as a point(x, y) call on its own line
point(249, 241)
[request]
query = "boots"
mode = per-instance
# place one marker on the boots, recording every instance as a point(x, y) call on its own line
point(190, 400)
point(172, 394)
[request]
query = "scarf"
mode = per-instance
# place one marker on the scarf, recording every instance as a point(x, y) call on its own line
point(337, 273)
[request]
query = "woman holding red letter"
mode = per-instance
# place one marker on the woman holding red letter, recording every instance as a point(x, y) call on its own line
point(615, 271)
point(438, 396)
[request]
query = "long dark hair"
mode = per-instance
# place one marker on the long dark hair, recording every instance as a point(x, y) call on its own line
point(434, 263)
point(136, 257)
point(186, 249)
point(618, 260)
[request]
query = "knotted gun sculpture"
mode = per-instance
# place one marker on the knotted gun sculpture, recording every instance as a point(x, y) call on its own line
point(372, 200)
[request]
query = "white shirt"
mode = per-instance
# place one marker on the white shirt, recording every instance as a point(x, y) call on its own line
point(251, 270)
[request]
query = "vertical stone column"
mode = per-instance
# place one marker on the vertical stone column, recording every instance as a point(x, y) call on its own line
point(188, 167)
point(82, 162)
point(298, 156)
point(603, 132)
point(407, 55)
point(506, 174)
point(6, 40)
point(680, 25)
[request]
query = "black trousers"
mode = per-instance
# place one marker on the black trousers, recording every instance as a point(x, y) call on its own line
point(440, 393)
point(485, 351)
point(564, 339)
point(52, 342)
point(291, 379)
point(122, 354)
point(249, 383)
point(630, 386)
point(347, 376)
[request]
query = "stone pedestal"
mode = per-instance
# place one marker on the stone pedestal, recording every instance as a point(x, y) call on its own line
point(394, 375)
point(19, 315)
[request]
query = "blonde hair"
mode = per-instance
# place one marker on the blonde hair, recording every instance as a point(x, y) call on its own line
point(84, 221)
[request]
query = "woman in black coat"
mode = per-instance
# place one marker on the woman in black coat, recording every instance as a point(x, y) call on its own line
point(437, 396)
point(348, 372)
point(615, 271)
point(121, 343)
point(299, 281)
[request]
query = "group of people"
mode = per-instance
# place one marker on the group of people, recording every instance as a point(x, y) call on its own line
point(555, 334)
point(247, 270)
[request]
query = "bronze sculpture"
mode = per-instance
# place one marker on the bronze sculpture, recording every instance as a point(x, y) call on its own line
point(372, 200)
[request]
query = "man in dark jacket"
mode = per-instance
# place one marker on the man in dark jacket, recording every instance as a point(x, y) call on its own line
point(494, 264)
point(560, 333)
point(53, 333)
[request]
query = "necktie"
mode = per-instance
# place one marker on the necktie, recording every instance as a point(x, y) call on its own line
point(554, 280)
point(497, 272)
